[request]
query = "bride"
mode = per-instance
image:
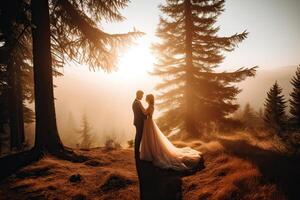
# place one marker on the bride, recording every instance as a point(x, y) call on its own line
point(156, 147)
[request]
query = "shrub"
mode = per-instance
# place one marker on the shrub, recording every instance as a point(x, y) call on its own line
point(111, 144)
point(130, 143)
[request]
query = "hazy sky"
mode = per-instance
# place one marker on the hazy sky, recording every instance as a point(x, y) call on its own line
point(274, 27)
point(274, 41)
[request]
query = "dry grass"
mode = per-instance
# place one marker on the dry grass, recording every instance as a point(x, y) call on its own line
point(49, 178)
point(234, 169)
point(227, 178)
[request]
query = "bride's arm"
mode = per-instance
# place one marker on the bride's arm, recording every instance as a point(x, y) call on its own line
point(142, 108)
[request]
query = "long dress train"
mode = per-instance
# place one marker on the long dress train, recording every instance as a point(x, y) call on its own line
point(157, 148)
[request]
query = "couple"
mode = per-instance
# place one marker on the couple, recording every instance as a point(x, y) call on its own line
point(152, 145)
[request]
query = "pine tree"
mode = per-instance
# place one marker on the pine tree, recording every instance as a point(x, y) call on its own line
point(249, 117)
point(274, 115)
point(15, 68)
point(260, 113)
point(4, 116)
point(86, 135)
point(295, 100)
point(75, 35)
point(260, 118)
point(192, 93)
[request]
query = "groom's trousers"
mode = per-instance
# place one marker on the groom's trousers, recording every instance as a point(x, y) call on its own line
point(137, 141)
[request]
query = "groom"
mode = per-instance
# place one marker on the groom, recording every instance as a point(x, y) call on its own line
point(138, 122)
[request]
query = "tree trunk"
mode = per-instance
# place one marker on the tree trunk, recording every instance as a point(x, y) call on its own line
point(12, 104)
point(47, 137)
point(19, 89)
point(1, 136)
point(189, 119)
point(14, 120)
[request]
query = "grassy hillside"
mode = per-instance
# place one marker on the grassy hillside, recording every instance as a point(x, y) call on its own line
point(234, 169)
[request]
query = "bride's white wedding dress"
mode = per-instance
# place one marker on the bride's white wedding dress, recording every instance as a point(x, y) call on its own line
point(156, 147)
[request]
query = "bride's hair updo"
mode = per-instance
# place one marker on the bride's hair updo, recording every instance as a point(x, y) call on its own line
point(150, 99)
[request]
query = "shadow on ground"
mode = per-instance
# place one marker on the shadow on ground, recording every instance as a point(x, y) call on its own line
point(161, 184)
point(275, 168)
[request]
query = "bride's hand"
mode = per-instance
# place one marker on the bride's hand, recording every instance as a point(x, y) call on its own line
point(142, 108)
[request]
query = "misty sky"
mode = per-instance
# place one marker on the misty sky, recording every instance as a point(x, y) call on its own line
point(106, 99)
point(274, 27)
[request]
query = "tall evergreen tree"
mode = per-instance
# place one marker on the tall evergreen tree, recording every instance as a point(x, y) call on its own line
point(260, 113)
point(85, 133)
point(47, 138)
point(249, 117)
point(16, 69)
point(192, 93)
point(74, 35)
point(75, 31)
point(274, 115)
point(3, 102)
point(260, 118)
point(295, 99)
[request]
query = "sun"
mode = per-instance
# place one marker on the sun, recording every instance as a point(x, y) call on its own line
point(137, 61)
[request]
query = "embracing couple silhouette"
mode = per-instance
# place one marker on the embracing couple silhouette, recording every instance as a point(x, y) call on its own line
point(152, 145)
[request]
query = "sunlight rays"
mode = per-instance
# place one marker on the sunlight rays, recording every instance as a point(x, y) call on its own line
point(136, 62)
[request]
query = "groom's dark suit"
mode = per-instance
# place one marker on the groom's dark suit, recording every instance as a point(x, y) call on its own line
point(138, 122)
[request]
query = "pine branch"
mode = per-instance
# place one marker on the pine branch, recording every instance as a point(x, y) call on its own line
point(97, 48)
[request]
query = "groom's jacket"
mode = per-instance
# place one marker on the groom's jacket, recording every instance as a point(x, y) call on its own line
point(139, 116)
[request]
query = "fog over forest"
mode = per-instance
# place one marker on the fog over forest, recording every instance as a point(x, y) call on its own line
point(106, 99)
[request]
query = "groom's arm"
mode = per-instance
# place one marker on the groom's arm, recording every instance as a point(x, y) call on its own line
point(144, 111)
